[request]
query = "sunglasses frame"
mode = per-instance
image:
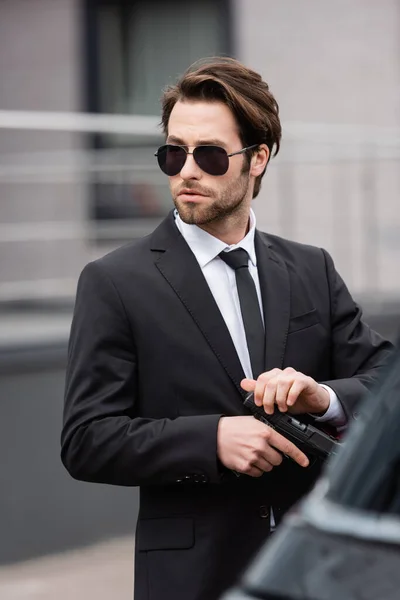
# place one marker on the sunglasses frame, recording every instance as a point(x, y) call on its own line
point(185, 148)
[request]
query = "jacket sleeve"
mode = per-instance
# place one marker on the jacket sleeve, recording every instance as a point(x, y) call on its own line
point(359, 354)
point(103, 439)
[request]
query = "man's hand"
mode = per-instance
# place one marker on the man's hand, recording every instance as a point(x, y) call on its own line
point(248, 446)
point(289, 390)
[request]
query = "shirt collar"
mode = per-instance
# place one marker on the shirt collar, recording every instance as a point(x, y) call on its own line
point(206, 247)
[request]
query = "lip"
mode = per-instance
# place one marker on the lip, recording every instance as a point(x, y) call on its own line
point(187, 196)
point(189, 192)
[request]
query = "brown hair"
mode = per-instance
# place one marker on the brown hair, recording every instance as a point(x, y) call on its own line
point(242, 90)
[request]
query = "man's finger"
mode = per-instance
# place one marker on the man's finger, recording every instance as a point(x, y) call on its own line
point(265, 465)
point(295, 390)
point(262, 381)
point(269, 395)
point(282, 390)
point(279, 442)
point(259, 391)
point(248, 384)
point(253, 471)
point(272, 455)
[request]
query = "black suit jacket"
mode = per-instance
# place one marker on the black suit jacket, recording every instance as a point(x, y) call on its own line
point(152, 368)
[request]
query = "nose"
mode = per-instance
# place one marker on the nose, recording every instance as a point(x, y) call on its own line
point(190, 169)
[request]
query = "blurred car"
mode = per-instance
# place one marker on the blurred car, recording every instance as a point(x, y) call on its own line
point(343, 541)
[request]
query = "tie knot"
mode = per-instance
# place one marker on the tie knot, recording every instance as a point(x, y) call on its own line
point(236, 259)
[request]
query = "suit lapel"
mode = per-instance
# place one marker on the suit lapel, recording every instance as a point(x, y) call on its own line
point(178, 265)
point(275, 292)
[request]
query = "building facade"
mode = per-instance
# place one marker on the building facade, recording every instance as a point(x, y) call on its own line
point(67, 196)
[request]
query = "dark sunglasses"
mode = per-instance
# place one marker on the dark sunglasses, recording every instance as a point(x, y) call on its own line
point(211, 159)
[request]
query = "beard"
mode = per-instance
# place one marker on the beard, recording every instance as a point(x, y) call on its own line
point(217, 206)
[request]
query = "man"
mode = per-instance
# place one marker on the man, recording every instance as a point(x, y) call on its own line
point(169, 334)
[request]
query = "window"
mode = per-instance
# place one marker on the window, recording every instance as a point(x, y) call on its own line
point(134, 50)
point(369, 478)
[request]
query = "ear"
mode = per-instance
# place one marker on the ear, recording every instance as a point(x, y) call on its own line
point(259, 160)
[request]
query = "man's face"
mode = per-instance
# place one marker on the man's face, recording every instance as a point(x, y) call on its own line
point(200, 198)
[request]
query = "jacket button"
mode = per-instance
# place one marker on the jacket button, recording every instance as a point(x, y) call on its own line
point(264, 512)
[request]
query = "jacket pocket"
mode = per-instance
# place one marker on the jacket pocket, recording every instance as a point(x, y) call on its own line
point(303, 321)
point(165, 534)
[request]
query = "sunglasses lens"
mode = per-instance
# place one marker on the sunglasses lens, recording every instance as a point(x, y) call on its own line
point(212, 159)
point(171, 159)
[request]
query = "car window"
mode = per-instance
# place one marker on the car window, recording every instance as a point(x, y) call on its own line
point(368, 474)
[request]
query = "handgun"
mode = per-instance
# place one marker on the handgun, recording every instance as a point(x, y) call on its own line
point(307, 438)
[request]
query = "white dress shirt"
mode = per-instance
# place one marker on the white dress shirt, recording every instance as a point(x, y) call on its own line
point(221, 280)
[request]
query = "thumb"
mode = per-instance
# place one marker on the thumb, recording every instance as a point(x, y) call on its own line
point(249, 385)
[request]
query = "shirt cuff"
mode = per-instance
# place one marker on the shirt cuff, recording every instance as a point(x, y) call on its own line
point(335, 413)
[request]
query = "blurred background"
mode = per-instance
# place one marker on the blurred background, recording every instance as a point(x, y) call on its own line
point(80, 82)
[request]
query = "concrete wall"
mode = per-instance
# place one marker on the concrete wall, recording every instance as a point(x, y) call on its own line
point(335, 62)
point(42, 509)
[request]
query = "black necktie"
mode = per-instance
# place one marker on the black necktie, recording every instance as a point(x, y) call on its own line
point(249, 306)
